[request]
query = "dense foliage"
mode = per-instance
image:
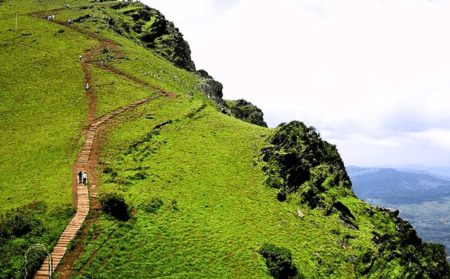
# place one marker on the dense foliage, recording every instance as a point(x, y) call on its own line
point(114, 205)
point(278, 261)
point(20, 229)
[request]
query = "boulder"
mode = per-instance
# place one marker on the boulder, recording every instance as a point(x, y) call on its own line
point(204, 74)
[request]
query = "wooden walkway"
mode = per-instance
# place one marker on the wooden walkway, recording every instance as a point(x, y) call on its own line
point(82, 194)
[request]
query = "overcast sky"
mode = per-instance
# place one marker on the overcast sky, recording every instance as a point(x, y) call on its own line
point(372, 76)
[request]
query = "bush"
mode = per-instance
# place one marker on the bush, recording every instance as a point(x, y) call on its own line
point(278, 261)
point(17, 225)
point(21, 228)
point(114, 205)
point(153, 205)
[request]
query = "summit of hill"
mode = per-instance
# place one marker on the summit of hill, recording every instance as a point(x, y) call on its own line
point(181, 183)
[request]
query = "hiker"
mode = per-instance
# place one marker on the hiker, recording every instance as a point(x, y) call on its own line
point(69, 22)
point(84, 178)
point(87, 86)
point(101, 62)
point(80, 57)
point(80, 177)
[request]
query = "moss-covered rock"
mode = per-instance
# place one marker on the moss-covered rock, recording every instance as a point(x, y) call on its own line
point(246, 111)
point(161, 35)
point(420, 260)
point(150, 28)
point(299, 159)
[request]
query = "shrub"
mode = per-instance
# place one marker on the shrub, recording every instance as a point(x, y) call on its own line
point(153, 205)
point(278, 261)
point(18, 225)
point(114, 205)
point(140, 175)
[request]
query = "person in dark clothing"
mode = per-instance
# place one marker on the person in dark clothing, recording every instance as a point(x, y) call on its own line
point(80, 177)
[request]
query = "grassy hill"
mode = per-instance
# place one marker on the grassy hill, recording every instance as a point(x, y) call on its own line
point(209, 195)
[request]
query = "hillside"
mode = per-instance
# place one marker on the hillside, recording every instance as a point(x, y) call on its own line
point(182, 183)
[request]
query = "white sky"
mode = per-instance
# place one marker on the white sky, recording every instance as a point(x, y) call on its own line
point(373, 76)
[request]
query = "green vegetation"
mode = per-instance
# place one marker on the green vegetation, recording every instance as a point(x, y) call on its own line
point(246, 111)
point(278, 261)
point(21, 228)
point(114, 205)
point(153, 205)
point(193, 198)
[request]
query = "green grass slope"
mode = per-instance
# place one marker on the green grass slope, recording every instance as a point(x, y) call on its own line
point(42, 112)
point(203, 196)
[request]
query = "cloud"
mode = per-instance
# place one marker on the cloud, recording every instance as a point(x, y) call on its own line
point(437, 137)
point(374, 74)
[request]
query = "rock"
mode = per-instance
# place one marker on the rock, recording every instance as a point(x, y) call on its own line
point(204, 74)
point(119, 5)
point(162, 36)
point(281, 196)
point(342, 208)
point(162, 124)
point(82, 18)
point(348, 223)
point(404, 245)
point(297, 154)
point(369, 211)
point(212, 88)
point(247, 112)
point(391, 212)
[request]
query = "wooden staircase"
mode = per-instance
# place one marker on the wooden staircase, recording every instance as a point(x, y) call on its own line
point(81, 198)
point(61, 247)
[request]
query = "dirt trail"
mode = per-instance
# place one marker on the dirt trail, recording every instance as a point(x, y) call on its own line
point(87, 158)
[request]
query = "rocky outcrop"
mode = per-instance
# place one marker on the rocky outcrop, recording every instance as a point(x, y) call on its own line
point(150, 27)
point(344, 214)
point(240, 109)
point(424, 260)
point(298, 159)
point(161, 35)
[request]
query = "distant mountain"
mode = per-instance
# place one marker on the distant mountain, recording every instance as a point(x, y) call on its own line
point(420, 195)
point(393, 186)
